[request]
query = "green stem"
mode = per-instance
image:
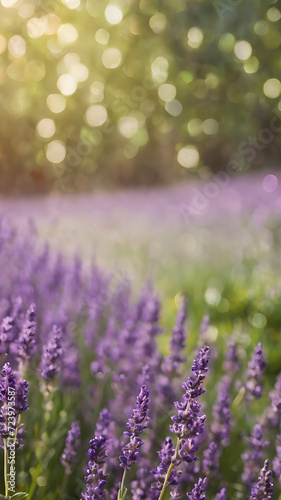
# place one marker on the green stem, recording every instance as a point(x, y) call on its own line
point(5, 467)
point(172, 465)
point(121, 495)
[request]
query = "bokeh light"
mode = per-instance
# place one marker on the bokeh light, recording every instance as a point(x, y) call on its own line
point(67, 34)
point(113, 14)
point(243, 50)
point(128, 126)
point(111, 58)
point(96, 115)
point(56, 103)
point(158, 23)
point(46, 128)
point(55, 151)
point(17, 46)
point(272, 88)
point(67, 84)
point(167, 92)
point(188, 157)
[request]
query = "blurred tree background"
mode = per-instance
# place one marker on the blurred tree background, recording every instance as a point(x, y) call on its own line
point(135, 92)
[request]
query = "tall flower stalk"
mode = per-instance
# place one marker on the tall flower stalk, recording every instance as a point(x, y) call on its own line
point(187, 424)
point(136, 425)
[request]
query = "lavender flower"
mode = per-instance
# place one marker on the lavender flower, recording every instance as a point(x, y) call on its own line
point(198, 490)
point(276, 463)
point(26, 346)
point(221, 414)
point(264, 488)
point(136, 425)
point(177, 344)
point(253, 457)
point(96, 477)
point(167, 456)
point(69, 454)
point(187, 424)
point(211, 459)
point(6, 333)
point(52, 355)
point(221, 495)
point(256, 367)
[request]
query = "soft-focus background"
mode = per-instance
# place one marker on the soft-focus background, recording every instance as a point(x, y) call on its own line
point(98, 93)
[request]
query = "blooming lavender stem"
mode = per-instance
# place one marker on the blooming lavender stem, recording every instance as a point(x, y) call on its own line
point(137, 423)
point(52, 355)
point(256, 367)
point(263, 490)
point(26, 347)
point(221, 495)
point(187, 424)
point(96, 477)
point(253, 457)
point(198, 490)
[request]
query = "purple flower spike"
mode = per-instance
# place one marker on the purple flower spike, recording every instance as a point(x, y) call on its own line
point(167, 456)
point(6, 333)
point(52, 355)
point(96, 477)
point(69, 454)
point(253, 458)
point(26, 347)
point(198, 490)
point(256, 367)
point(221, 495)
point(136, 425)
point(264, 488)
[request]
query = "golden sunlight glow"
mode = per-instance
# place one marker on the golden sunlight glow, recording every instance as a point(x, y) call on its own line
point(167, 92)
point(67, 34)
point(272, 88)
point(158, 23)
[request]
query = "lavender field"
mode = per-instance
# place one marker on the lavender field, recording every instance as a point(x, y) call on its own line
point(140, 343)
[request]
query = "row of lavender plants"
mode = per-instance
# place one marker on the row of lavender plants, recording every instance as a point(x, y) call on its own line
point(92, 408)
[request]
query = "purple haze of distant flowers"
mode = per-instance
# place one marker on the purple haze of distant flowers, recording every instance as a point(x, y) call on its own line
point(198, 490)
point(69, 454)
point(263, 490)
point(256, 367)
point(52, 355)
point(11, 386)
point(96, 477)
point(136, 425)
point(253, 457)
point(26, 346)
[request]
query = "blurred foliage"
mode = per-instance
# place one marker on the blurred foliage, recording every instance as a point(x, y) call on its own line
point(135, 92)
